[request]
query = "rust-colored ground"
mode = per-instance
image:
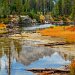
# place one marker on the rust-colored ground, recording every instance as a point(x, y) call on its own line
point(67, 32)
point(2, 25)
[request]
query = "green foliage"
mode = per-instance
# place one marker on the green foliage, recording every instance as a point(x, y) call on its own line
point(4, 8)
point(19, 6)
point(26, 6)
point(64, 18)
point(56, 19)
point(33, 15)
point(56, 11)
point(32, 7)
point(5, 20)
point(63, 7)
point(73, 11)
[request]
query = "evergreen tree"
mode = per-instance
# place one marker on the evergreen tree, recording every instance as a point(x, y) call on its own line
point(73, 11)
point(56, 11)
point(49, 5)
point(66, 7)
point(57, 7)
point(5, 9)
point(18, 4)
point(26, 5)
point(63, 7)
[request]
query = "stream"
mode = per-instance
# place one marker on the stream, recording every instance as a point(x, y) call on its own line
point(23, 54)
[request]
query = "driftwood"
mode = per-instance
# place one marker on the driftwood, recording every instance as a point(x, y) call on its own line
point(53, 44)
point(49, 70)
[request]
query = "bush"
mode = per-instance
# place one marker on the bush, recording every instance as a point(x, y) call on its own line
point(33, 15)
point(56, 19)
point(36, 16)
point(72, 68)
point(5, 20)
point(64, 18)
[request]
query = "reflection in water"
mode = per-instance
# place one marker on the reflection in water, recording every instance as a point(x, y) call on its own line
point(13, 47)
point(6, 43)
point(23, 52)
point(53, 61)
point(32, 53)
point(18, 69)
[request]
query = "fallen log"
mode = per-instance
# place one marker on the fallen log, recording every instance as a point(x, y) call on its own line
point(49, 70)
point(53, 44)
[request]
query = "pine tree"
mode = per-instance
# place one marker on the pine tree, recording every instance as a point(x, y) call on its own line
point(27, 5)
point(18, 4)
point(66, 7)
point(6, 8)
point(73, 11)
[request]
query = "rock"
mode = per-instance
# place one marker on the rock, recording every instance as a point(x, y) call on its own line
point(25, 21)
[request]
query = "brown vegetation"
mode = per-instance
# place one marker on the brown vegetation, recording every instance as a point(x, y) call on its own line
point(44, 73)
point(72, 68)
point(67, 32)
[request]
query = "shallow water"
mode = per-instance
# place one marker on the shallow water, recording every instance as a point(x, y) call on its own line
point(38, 27)
point(26, 54)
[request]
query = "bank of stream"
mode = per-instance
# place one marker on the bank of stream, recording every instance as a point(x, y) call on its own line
point(30, 47)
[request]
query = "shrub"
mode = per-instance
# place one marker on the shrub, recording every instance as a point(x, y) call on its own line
point(72, 68)
point(33, 15)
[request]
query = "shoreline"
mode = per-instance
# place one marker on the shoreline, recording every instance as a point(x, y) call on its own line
point(58, 44)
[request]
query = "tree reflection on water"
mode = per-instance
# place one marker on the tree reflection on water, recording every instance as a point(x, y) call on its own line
point(6, 43)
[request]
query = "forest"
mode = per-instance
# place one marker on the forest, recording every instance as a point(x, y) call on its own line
point(56, 8)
